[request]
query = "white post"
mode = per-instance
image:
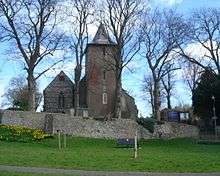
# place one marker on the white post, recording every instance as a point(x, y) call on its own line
point(64, 141)
point(135, 145)
point(59, 139)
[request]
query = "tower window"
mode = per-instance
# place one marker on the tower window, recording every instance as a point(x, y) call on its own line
point(61, 100)
point(103, 51)
point(104, 74)
point(104, 98)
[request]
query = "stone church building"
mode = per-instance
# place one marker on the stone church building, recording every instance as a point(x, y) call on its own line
point(97, 87)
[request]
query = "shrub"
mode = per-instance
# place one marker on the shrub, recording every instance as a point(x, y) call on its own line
point(147, 123)
point(21, 134)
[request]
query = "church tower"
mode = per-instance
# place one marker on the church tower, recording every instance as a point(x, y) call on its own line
point(97, 87)
point(100, 75)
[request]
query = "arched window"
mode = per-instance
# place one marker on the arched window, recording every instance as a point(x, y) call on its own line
point(61, 100)
point(104, 74)
point(104, 51)
point(104, 98)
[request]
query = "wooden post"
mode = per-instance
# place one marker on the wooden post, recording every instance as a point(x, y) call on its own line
point(59, 139)
point(64, 140)
point(135, 145)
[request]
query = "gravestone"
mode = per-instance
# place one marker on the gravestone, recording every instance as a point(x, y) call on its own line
point(48, 123)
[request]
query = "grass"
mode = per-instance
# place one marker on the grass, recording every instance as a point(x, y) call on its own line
point(179, 155)
point(26, 174)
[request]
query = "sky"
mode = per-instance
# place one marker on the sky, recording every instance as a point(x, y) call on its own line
point(132, 82)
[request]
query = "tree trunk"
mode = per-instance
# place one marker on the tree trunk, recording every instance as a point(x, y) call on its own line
point(31, 92)
point(152, 100)
point(157, 101)
point(169, 102)
point(78, 69)
point(118, 96)
point(118, 91)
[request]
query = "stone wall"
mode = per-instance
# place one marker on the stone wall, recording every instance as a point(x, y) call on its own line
point(58, 95)
point(29, 119)
point(78, 126)
point(175, 130)
point(71, 125)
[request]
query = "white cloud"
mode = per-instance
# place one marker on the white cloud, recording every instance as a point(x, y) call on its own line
point(196, 50)
point(68, 25)
point(168, 2)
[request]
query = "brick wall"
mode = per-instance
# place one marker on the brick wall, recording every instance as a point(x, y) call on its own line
point(100, 78)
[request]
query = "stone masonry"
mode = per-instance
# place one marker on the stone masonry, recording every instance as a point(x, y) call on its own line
point(58, 95)
point(97, 87)
point(78, 126)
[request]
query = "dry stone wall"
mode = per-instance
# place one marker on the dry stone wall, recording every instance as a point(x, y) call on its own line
point(78, 126)
point(175, 130)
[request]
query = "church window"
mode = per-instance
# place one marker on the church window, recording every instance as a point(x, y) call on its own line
point(61, 78)
point(104, 98)
point(104, 88)
point(104, 74)
point(104, 51)
point(61, 100)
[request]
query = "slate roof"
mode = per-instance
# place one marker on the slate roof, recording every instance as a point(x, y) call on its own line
point(67, 80)
point(101, 36)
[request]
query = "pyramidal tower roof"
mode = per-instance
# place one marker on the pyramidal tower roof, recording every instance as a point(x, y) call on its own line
point(101, 36)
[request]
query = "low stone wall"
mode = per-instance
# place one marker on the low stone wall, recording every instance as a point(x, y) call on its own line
point(95, 128)
point(29, 119)
point(175, 130)
point(78, 126)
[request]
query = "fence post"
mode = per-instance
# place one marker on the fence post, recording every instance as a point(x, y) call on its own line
point(135, 145)
point(59, 139)
point(64, 140)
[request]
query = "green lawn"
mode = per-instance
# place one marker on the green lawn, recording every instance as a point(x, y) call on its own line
point(26, 174)
point(180, 155)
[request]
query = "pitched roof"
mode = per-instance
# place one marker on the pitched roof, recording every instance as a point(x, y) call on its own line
point(102, 36)
point(57, 78)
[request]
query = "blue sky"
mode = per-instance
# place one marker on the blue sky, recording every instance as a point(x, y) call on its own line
point(131, 81)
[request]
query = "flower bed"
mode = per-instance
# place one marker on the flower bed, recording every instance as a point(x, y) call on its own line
point(21, 134)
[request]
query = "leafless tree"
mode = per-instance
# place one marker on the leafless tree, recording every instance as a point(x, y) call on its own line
point(160, 31)
point(80, 16)
point(205, 29)
point(31, 27)
point(148, 87)
point(168, 82)
point(122, 18)
point(16, 94)
point(191, 74)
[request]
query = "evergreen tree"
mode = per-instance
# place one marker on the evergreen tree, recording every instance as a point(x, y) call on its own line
point(208, 86)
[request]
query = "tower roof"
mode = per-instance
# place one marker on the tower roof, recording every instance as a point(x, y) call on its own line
point(101, 36)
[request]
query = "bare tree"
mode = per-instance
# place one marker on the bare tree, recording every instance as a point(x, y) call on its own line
point(148, 87)
point(31, 26)
point(122, 21)
point(191, 75)
point(205, 29)
point(16, 94)
point(80, 16)
point(160, 32)
point(168, 82)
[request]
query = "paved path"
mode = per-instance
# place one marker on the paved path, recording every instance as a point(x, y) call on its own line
point(93, 173)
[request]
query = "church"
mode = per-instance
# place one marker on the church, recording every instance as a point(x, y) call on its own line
point(97, 87)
